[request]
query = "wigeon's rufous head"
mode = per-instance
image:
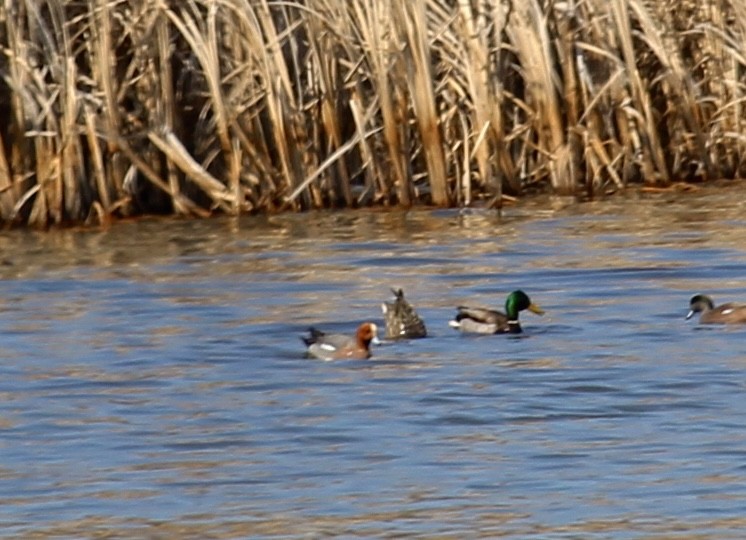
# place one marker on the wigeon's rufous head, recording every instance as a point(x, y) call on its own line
point(367, 333)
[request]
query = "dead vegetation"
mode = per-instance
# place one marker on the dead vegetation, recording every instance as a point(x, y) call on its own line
point(116, 108)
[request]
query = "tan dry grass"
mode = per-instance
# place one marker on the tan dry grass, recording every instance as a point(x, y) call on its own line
point(123, 107)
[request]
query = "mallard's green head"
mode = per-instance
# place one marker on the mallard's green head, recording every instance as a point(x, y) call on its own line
point(699, 303)
point(518, 301)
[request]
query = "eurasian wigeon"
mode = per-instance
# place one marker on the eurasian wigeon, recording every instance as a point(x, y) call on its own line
point(338, 346)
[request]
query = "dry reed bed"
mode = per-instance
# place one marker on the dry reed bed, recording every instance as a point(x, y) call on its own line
point(119, 107)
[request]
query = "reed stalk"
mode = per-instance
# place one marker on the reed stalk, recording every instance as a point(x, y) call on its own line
point(380, 51)
point(103, 128)
point(117, 108)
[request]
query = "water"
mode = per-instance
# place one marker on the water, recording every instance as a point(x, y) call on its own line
point(153, 382)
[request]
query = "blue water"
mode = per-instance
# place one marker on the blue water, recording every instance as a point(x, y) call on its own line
point(153, 381)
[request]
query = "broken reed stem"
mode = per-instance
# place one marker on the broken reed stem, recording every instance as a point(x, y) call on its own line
point(202, 106)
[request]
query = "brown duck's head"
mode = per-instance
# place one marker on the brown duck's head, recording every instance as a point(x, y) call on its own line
point(698, 304)
point(367, 333)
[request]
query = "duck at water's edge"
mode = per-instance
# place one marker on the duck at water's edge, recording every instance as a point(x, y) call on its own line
point(338, 346)
point(401, 319)
point(487, 321)
point(730, 313)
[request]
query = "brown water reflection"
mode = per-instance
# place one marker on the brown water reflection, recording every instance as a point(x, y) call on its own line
point(715, 215)
point(153, 381)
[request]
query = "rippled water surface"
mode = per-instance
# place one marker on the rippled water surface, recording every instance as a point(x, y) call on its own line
point(153, 381)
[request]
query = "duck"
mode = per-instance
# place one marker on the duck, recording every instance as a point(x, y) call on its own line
point(487, 321)
point(401, 319)
point(339, 346)
point(730, 313)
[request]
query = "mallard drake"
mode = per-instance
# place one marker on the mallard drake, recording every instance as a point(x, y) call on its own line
point(730, 313)
point(488, 321)
point(401, 319)
point(338, 346)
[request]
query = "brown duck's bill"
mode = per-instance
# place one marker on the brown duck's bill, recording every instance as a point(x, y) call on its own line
point(533, 308)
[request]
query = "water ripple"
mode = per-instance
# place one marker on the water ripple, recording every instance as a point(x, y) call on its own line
point(154, 382)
